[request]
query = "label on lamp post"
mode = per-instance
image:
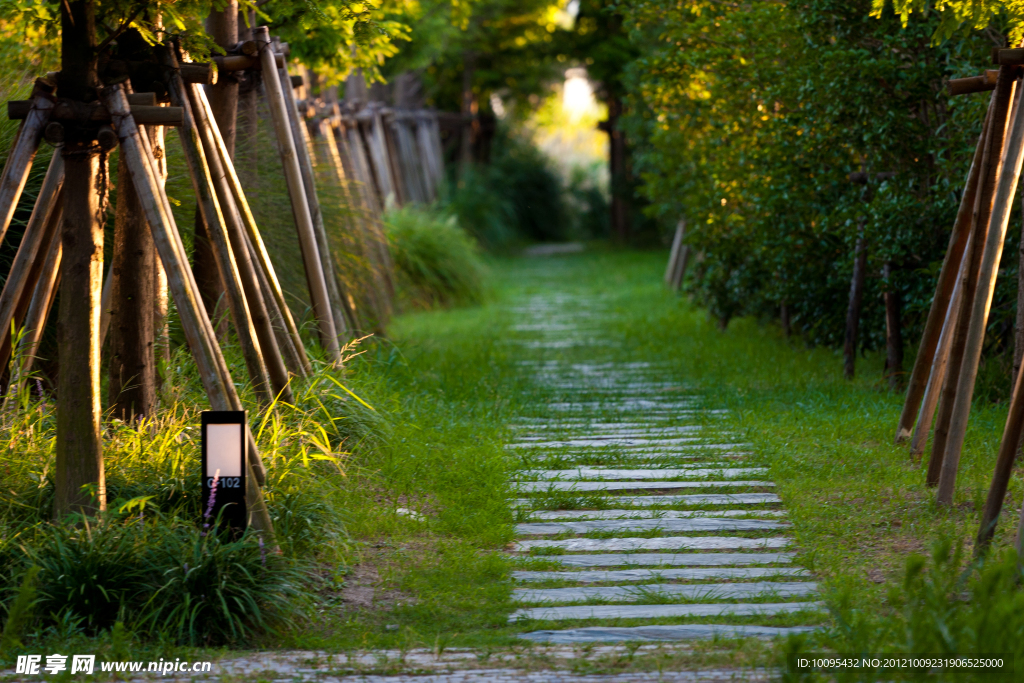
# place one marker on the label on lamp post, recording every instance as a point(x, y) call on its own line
point(224, 452)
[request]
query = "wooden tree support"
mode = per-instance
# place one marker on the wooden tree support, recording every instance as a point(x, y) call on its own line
point(196, 325)
point(300, 135)
point(257, 309)
point(936, 378)
point(35, 243)
point(300, 206)
point(289, 340)
point(937, 313)
point(998, 219)
point(23, 152)
point(213, 215)
point(679, 258)
point(40, 305)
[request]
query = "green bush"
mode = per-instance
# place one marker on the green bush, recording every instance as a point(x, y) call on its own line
point(437, 263)
point(517, 196)
point(162, 577)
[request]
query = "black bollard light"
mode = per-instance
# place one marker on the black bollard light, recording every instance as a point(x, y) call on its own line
point(224, 454)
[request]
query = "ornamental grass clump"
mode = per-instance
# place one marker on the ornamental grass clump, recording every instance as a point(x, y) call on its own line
point(437, 262)
point(153, 560)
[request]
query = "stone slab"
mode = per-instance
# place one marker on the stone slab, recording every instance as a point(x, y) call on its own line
point(582, 545)
point(594, 442)
point(671, 559)
point(686, 499)
point(667, 574)
point(667, 525)
point(544, 486)
point(662, 611)
point(545, 515)
point(607, 474)
point(677, 591)
point(667, 632)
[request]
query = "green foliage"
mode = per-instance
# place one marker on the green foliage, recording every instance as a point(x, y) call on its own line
point(517, 196)
point(437, 263)
point(960, 15)
point(204, 588)
point(752, 117)
point(501, 45)
point(321, 33)
point(20, 612)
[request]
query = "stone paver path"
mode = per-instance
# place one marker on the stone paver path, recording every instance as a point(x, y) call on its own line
point(640, 518)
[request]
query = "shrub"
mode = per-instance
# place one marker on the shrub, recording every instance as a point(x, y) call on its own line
point(437, 263)
point(517, 196)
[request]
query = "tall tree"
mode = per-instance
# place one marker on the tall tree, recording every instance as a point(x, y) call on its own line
point(79, 443)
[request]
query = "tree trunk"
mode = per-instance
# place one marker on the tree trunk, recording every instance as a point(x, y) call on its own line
point(132, 384)
point(469, 109)
point(223, 28)
point(893, 332)
point(79, 480)
point(860, 261)
point(618, 165)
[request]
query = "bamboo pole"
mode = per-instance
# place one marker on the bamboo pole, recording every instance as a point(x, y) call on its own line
point(297, 361)
point(259, 319)
point(38, 233)
point(195, 323)
point(214, 215)
point(300, 207)
point(1013, 156)
point(943, 291)
point(302, 148)
point(23, 152)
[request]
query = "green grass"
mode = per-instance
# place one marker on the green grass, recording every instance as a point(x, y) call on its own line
point(447, 384)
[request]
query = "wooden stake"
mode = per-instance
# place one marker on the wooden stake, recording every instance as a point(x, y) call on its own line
point(195, 323)
point(257, 310)
point(35, 321)
point(860, 259)
point(356, 223)
point(302, 148)
point(935, 381)
point(1009, 175)
point(943, 290)
point(23, 152)
point(273, 294)
point(213, 215)
point(34, 245)
point(673, 254)
point(300, 207)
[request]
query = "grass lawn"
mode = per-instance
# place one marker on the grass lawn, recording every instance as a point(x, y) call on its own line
point(858, 504)
point(420, 563)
